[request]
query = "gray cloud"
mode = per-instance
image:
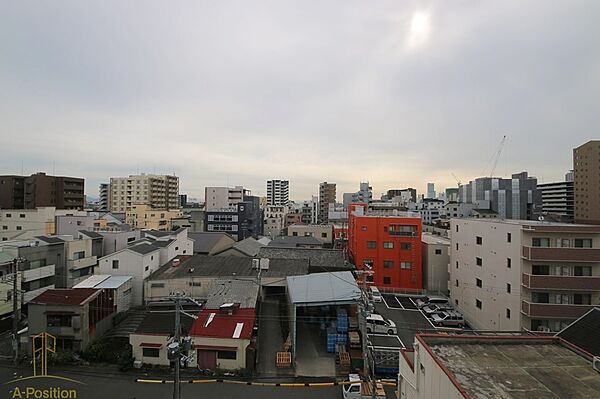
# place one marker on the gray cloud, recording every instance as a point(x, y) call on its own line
point(237, 92)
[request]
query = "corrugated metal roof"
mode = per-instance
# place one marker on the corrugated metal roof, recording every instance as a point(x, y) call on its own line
point(103, 281)
point(92, 281)
point(5, 258)
point(334, 287)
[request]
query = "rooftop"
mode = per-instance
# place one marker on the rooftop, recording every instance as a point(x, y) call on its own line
point(204, 242)
point(248, 246)
point(513, 366)
point(163, 323)
point(99, 281)
point(432, 239)
point(66, 296)
point(242, 292)
point(91, 234)
point(536, 225)
point(50, 239)
point(228, 266)
point(329, 259)
point(584, 332)
point(294, 242)
point(143, 248)
point(217, 323)
point(323, 288)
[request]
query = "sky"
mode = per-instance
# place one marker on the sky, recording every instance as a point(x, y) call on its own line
point(397, 93)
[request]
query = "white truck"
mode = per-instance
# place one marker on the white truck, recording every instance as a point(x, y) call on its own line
point(358, 389)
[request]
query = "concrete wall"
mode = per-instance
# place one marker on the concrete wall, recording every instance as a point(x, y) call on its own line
point(436, 258)
point(117, 240)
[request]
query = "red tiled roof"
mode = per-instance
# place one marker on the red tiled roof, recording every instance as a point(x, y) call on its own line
point(66, 296)
point(224, 325)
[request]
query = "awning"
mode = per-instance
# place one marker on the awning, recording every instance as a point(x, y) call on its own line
point(215, 348)
point(150, 345)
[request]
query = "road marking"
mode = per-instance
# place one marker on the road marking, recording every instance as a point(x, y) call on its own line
point(386, 304)
point(399, 303)
point(261, 384)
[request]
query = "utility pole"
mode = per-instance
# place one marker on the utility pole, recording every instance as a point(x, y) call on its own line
point(176, 392)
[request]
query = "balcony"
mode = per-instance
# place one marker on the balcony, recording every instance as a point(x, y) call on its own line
point(566, 283)
point(554, 310)
point(561, 254)
point(81, 263)
point(38, 273)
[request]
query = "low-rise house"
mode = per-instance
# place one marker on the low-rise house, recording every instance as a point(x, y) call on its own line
point(75, 316)
point(210, 243)
point(195, 276)
point(323, 233)
point(138, 261)
point(222, 334)
point(170, 243)
point(319, 259)
point(119, 286)
point(246, 247)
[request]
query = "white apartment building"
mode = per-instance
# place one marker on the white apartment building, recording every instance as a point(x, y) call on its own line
point(436, 257)
point(516, 274)
point(157, 191)
point(278, 192)
point(217, 198)
point(24, 224)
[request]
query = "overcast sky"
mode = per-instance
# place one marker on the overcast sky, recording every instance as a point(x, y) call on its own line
point(398, 93)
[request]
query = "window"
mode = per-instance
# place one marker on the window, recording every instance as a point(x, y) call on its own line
point(4, 227)
point(150, 352)
point(478, 303)
point(456, 302)
point(405, 265)
point(508, 288)
point(229, 355)
point(34, 264)
point(582, 299)
point(388, 245)
point(58, 320)
point(583, 243)
point(363, 228)
point(295, 234)
point(403, 230)
point(19, 227)
point(478, 240)
point(507, 313)
point(131, 239)
point(79, 255)
point(22, 216)
point(146, 268)
point(508, 262)
point(388, 264)
point(369, 278)
point(457, 282)
point(540, 270)
point(405, 246)
point(8, 215)
point(115, 264)
point(457, 246)
point(323, 235)
point(157, 285)
point(195, 284)
point(457, 228)
point(457, 264)
point(176, 248)
point(371, 244)
point(478, 282)
point(540, 242)
point(582, 271)
point(508, 237)
point(387, 280)
point(438, 251)
point(479, 261)
point(540, 297)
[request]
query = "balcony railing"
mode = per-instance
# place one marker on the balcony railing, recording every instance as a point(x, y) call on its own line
point(81, 263)
point(554, 310)
point(567, 283)
point(561, 254)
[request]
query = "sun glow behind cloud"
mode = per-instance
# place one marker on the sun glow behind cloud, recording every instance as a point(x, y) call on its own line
point(419, 30)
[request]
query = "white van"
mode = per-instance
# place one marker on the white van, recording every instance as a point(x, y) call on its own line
point(376, 295)
point(376, 324)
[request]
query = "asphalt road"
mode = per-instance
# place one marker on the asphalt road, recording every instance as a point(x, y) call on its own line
point(123, 386)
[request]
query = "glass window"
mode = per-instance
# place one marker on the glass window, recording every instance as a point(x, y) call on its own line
point(371, 244)
point(507, 313)
point(387, 280)
point(58, 320)
point(583, 243)
point(582, 271)
point(438, 251)
point(478, 240)
point(388, 264)
point(150, 352)
point(405, 265)
point(388, 245)
point(115, 264)
point(229, 355)
point(508, 237)
point(540, 297)
point(508, 288)
point(540, 270)
point(508, 262)
point(540, 242)
point(582, 299)
point(478, 303)
point(405, 246)
point(479, 261)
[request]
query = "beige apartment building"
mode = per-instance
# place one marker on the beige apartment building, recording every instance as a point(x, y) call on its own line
point(586, 182)
point(322, 232)
point(24, 224)
point(157, 191)
point(523, 275)
point(141, 216)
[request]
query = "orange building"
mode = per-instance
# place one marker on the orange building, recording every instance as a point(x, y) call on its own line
point(391, 245)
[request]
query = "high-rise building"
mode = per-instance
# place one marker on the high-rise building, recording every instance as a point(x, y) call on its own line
point(557, 201)
point(452, 194)
point(326, 197)
point(430, 190)
point(363, 195)
point(516, 274)
point(242, 220)
point(216, 198)
point(157, 191)
point(278, 192)
point(387, 247)
point(41, 190)
point(516, 198)
point(104, 197)
point(406, 195)
point(586, 176)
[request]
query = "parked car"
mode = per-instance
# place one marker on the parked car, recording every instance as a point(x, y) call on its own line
point(429, 310)
point(361, 390)
point(448, 318)
point(431, 300)
point(379, 325)
point(376, 295)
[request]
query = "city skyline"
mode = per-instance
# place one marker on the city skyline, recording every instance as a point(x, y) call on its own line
point(233, 94)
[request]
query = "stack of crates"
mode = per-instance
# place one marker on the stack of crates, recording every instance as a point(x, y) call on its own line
point(332, 338)
point(342, 320)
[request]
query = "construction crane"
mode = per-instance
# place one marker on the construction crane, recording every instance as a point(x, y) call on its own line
point(457, 179)
point(496, 155)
